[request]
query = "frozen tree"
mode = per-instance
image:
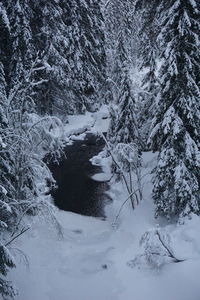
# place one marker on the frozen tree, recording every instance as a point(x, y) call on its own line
point(26, 135)
point(70, 36)
point(123, 137)
point(127, 139)
point(3, 97)
point(6, 212)
point(124, 123)
point(23, 173)
point(119, 43)
point(6, 262)
point(128, 165)
point(120, 83)
point(124, 140)
point(126, 126)
point(6, 219)
point(49, 24)
point(147, 55)
point(5, 41)
point(52, 59)
point(6, 178)
point(22, 51)
point(176, 126)
point(90, 49)
point(111, 134)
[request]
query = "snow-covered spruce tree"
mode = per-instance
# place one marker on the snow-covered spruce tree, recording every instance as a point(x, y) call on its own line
point(6, 262)
point(147, 96)
point(22, 48)
point(176, 127)
point(90, 66)
point(6, 187)
point(27, 165)
point(118, 60)
point(7, 215)
point(3, 97)
point(51, 35)
point(22, 171)
point(119, 43)
point(6, 177)
point(70, 36)
point(147, 55)
point(126, 127)
point(5, 40)
point(111, 134)
point(124, 142)
point(125, 120)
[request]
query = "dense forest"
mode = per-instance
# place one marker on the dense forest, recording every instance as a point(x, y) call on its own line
point(66, 57)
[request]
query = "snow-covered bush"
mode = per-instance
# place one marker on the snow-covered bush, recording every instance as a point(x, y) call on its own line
point(127, 155)
point(157, 250)
point(6, 262)
point(24, 140)
point(128, 159)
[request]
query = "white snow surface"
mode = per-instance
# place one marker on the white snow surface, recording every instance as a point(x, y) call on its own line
point(89, 122)
point(90, 261)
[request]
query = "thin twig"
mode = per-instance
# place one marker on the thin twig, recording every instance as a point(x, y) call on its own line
point(118, 166)
point(125, 203)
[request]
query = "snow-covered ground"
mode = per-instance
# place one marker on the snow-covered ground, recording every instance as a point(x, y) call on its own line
point(91, 260)
point(90, 122)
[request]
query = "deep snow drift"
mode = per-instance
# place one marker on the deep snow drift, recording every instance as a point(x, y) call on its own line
point(91, 260)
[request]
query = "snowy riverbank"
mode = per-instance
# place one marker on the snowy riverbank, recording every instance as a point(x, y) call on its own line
point(90, 261)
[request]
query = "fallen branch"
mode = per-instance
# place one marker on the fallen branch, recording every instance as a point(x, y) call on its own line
point(15, 237)
point(171, 254)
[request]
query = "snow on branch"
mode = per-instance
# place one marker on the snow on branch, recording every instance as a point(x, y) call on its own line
point(157, 251)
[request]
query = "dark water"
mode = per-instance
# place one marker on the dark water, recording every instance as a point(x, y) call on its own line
point(77, 191)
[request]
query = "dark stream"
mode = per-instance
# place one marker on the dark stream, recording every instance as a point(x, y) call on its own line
point(76, 190)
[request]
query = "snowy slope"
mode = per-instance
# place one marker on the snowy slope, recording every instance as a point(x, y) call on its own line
point(90, 261)
point(92, 122)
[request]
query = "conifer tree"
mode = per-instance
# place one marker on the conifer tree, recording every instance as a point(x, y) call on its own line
point(6, 262)
point(147, 95)
point(3, 119)
point(119, 41)
point(5, 47)
point(126, 131)
point(90, 49)
point(6, 177)
point(51, 39)
point(6, 187)
point(5, 159)
point(124, 139)
point(111, 134)
point(176, 126)
point(148, 55)
point(22, 48)
point(70, 36)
